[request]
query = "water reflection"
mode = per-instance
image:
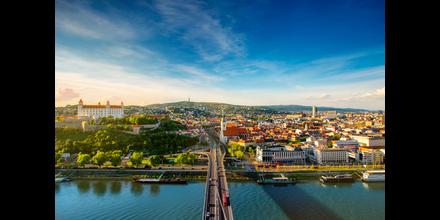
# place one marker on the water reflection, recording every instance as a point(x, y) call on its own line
point(99, 188)
point(298, 203)
point(57, 188)
point(137, 189)
point(115, 187)
point(374, 186)
point(154, 189)
point(337, 185)
point(83, 186)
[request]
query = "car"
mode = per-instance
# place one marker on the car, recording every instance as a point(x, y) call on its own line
point(208, 214)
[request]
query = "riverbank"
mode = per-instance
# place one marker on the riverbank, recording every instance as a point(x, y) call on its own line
point(199, 175)
point(129, 174)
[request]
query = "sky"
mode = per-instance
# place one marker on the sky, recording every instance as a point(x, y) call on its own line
point(256, 52)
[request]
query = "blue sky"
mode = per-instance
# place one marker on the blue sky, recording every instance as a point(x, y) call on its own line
point(324, 53)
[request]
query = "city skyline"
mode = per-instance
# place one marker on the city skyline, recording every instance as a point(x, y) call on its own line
point(146, 52)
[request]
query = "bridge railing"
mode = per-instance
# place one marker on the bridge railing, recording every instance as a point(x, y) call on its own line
point(205, 203)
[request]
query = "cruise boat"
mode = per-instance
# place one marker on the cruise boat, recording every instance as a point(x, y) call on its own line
point(161, 180)
point(62, 179)
point(337, 178)
point(373, 176)
point(282, 180)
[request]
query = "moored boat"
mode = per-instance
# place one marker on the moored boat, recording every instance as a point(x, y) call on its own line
point(337, 178)
point(161, 180)
point(373, 176)
point(275, 180)
point(62, 179)
point(169, 181)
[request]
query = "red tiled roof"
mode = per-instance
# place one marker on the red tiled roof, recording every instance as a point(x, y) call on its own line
point(101, 106)
point(230, 125)
point(93, 106)
point(234, 131)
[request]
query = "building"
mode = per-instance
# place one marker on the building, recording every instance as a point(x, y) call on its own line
point(371, 155)
point(285, 154)
point(314, 111)
point(329, 156)
point(234, 133)
point(368, 155)
point(369, 141)
point(331, 114)
point(98, 111)
point(347, 144)
point(321, 142)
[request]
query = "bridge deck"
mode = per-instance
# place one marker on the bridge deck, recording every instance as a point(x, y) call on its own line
point(216, 187)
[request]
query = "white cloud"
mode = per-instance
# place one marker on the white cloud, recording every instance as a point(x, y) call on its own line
point(376, 71)
point(379, 93)
point(198, 73)
point(65, 94)
point(198, 27)
point(80, 19)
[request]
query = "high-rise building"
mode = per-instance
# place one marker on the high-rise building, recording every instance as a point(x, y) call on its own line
point(314, 111)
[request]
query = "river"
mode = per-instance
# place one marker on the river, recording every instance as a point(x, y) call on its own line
point(108, 199)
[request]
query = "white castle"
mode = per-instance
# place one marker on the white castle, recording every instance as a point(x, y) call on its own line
point(98, 111)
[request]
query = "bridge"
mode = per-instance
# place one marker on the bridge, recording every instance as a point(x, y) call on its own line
point(216, 205)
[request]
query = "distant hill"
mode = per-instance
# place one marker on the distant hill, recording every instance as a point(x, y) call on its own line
point(215, 107)
point(301, 108)
point(287, 108)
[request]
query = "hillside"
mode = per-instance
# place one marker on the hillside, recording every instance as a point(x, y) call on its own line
point(212, 107)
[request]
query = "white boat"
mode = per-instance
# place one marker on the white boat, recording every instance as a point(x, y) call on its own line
point(62, 179)
point(373, 176)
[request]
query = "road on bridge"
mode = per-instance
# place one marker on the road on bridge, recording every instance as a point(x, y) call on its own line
point(217, 204)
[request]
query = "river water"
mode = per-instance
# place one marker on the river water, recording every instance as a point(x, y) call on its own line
point(108, 199)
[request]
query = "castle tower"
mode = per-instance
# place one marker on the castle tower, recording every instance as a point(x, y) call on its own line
point(80, 105)
point(122, 109)
point(107, 109)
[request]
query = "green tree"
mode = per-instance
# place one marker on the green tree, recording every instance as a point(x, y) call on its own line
point(239, 154)
point(115, 157)
point(99, 158)
point(157, 159)
point(251, 149)
point(329, 144)
point(179, 159)
point(58, 157)
point(185, 158)
point(82, 159)
point(231, 151)
point(136, 158)
point(192, 159)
